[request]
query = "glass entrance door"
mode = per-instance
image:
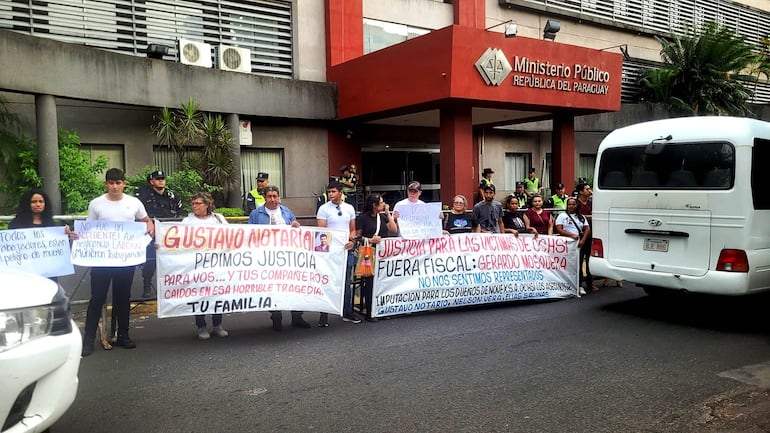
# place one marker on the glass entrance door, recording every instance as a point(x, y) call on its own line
point(389, 172)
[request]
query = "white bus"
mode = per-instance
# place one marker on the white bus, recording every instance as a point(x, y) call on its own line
point(684, 204)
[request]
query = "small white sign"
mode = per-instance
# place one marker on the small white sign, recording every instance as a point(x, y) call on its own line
point(244, 133)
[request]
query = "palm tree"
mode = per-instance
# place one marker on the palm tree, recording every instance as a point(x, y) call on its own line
point(186, 130)
point(705, 73)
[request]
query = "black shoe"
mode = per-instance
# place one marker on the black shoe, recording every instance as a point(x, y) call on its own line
point(372, 319)
point(353, 318)
point(87, 349)
point(277, 326)
point(299, 323)
point(323, 324)
point(125, 343)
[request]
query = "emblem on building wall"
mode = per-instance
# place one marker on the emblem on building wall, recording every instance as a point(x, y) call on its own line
point(493, 66)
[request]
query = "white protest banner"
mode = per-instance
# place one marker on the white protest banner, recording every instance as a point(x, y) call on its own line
point(471, 269)
point(110, 243)
point(41, 251)
point(420, 221)
point(223, 268)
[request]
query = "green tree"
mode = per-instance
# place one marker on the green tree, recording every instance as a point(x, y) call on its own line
point(13, 143)
point(80, 180)
point(704, 73)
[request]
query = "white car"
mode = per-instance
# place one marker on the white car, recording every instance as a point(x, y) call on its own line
point(39, 353)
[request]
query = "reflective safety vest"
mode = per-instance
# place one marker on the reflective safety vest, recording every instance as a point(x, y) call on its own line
point(531, 185)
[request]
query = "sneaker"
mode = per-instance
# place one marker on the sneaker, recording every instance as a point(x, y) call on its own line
point(582, 292)
point(219, 331)
point(125, 342)
point(203, 333)
point(353, 318)
point(323, 324)
point(372, 319)
point(299, 323)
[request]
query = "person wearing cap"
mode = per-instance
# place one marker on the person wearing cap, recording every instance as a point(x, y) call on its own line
point(558, 200)
point(489, 212)
point(520, 194)
point(160, 202)
point(532, 184)
point(256, 197)
point(349, 182)
point(113, 206)
point(486, 179)
point(413, 191)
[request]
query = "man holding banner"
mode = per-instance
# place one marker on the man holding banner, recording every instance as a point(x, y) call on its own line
point(274, 213)
point(113, 206)
point(338, 215)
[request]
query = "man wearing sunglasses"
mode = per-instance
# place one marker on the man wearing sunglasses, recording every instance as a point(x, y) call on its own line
point(338, 215)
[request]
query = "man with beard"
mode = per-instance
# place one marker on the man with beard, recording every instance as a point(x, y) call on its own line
point(489, 213)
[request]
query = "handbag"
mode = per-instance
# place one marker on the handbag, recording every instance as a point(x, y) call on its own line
point(365, 265)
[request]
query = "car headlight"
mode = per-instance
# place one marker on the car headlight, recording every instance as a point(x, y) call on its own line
point(23, 325)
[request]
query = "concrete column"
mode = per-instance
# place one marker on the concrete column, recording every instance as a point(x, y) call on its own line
point(234, 192)
point(458, 173)
point(344, 30)
point(48, 150)
point(469, 13)
point(563, 151)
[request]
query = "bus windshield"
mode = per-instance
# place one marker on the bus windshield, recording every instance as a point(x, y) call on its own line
point(672, 166)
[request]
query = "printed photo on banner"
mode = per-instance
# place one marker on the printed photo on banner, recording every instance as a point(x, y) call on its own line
point(420, 221)
point(322, 240)
point(215, 269)
point(42, 251)
point(414, 275)
point(110, 243)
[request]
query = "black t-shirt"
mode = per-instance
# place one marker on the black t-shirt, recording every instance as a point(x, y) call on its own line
point(367, 224)
point(514, 220)
point(460, 223)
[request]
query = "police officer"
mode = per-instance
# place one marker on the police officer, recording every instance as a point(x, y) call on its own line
point(558, 200)
point(159, 202)
point(256, 197)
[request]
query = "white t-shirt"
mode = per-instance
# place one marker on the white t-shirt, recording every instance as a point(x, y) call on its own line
point(329, 212)
point(213, 218)
point(568, 225)
point(128, 208)
point(276, 217)
point(404, 203)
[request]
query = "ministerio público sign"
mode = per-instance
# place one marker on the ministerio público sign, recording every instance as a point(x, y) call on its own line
point(494, 68)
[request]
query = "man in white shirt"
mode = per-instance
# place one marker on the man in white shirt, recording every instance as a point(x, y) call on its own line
point(338, 215)
point(113, 206)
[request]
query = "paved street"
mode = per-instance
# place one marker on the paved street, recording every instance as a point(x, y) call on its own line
point(615, 361)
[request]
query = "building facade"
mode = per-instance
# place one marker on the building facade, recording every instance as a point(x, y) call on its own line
point(330, 82)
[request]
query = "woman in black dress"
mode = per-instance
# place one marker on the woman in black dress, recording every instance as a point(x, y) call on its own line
point(374, 223)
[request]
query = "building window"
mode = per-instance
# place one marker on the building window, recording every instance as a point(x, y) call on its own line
point(381, 34)
point(112, 152)
point(586, 163)
point(268, 161)
point(516, 167)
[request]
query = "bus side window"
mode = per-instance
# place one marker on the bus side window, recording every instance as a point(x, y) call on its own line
point(614, 179)
point(718, 177)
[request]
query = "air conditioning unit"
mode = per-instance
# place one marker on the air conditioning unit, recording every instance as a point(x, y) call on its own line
point(234, 58)
point(195, 53)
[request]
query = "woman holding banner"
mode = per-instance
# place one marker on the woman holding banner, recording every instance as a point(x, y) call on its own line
point(459, 220)
point(203, 213)
point(538, 218)
point(513, 218)
point(32, 211)
point(373, 224)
